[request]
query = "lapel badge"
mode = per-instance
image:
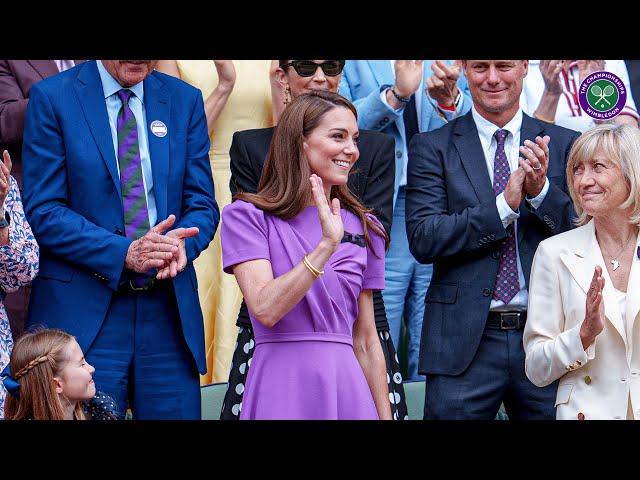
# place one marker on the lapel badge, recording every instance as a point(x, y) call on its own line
point(158, 128)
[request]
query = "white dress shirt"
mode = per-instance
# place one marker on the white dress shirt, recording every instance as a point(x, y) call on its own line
point(486, 131)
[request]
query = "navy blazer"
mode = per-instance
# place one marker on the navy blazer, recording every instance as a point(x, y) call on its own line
point(453, 222)
point(73, 202)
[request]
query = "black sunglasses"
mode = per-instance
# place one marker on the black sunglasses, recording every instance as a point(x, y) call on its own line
point(308, 68)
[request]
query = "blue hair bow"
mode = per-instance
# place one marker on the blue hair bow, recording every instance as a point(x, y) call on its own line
point(10, 383)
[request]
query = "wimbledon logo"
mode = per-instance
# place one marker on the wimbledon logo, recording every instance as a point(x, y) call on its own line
point(602, 95)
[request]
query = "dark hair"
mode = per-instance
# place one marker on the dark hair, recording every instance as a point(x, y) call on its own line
point(284, 188)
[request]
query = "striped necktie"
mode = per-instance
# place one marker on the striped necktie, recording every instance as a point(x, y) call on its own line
point(134, 200)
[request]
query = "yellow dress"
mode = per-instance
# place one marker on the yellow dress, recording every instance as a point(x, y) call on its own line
point(248, 106)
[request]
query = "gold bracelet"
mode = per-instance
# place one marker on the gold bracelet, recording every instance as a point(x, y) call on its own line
point(543, 119)
point(314, 271)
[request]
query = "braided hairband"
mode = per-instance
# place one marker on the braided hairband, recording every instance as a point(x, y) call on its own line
point(11, 383)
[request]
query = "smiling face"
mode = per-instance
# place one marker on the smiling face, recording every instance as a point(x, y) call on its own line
point(600, 185)
point(300, 85)
point(331, 148)
point(495, 86)
point(129, 72)
point(74, 382)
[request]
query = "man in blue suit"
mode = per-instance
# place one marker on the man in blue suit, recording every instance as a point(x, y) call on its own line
point(119, 194)
point(482, 192)
point(401, 98)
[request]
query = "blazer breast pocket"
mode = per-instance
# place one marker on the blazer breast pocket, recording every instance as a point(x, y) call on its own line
point(442, 293)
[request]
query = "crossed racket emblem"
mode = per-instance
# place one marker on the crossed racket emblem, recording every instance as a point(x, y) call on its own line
point(603, 94)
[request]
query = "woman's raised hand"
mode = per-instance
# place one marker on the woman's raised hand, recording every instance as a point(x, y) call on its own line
point(330, 217)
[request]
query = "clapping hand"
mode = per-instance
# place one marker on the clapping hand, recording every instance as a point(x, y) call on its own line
point(153, 250)
point(535, 164)
point(550, 70)
point(5, 176)
point(442, 85)
point(408, 76)
point(330, 218)
point(594, 312)
point(179, 260)
point(587, 67)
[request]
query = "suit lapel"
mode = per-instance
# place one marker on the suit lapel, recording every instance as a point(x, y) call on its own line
point(157, 104)
point(529, 130)
point(88, 88)
point(467, 142)
point(45, 68)
point(581, 263)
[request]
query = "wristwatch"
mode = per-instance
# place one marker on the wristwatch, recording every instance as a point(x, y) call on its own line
point(6, 219)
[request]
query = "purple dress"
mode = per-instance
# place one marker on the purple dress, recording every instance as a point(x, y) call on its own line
point(304, 367)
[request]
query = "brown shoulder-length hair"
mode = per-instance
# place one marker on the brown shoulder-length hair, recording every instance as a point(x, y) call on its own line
point(284, 188)
point(36, 358)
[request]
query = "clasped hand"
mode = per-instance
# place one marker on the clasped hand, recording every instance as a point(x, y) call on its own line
point(163, 251)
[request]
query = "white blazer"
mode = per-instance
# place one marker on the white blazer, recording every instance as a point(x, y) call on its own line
point(594, 384)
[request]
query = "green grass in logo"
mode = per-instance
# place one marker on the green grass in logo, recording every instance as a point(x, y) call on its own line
point(602, 95)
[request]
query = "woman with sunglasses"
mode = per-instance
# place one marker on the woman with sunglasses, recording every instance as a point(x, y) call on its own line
point(371, 181)
point(309, 291)
point(237, 96)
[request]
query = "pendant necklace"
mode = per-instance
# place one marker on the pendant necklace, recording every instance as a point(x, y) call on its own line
point(614, 261)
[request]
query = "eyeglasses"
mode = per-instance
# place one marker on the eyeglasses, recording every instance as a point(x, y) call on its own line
point(308, 68)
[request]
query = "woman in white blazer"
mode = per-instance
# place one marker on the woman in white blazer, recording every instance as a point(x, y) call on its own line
point(584, 295)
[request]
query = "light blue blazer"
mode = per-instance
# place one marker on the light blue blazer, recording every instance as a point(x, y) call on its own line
point(363, 80)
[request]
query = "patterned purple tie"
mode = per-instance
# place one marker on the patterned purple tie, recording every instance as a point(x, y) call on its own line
point(507, 284)
point(134, 200)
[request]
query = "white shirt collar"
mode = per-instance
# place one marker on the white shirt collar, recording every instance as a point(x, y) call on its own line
point(486, 129)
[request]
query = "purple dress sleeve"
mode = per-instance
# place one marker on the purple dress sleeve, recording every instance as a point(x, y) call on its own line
point(374, 273)
point(243, 235)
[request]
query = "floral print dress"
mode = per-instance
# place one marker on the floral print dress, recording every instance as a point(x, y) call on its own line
point(18, 266)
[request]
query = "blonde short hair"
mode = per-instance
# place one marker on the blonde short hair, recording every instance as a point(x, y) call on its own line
point(621, 144)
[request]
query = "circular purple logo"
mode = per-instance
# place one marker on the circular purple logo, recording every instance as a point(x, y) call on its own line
point(602, 95)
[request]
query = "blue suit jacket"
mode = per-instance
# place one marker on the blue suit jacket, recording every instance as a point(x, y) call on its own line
point(363, 80)
point(453, 222)
point(73, 202)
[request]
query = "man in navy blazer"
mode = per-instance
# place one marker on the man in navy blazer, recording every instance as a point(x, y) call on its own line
point(128, 295)
point(482, 192)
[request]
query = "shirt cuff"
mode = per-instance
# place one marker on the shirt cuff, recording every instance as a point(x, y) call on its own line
point(507, 215)
point(535, 202)
point(383, 97)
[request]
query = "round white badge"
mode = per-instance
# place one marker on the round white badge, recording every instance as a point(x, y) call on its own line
point(158, 128)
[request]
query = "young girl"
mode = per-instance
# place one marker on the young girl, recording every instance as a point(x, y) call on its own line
point(49, 379)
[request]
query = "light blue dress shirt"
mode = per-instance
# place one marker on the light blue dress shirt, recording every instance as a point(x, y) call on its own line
point(111, 87)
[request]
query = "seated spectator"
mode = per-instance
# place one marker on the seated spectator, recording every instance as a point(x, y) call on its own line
point(583, 297)
point(18, 255)
point(551, 88)
point(53, 381)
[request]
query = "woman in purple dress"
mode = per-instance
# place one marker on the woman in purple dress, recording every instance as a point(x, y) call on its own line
point(306, 268)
